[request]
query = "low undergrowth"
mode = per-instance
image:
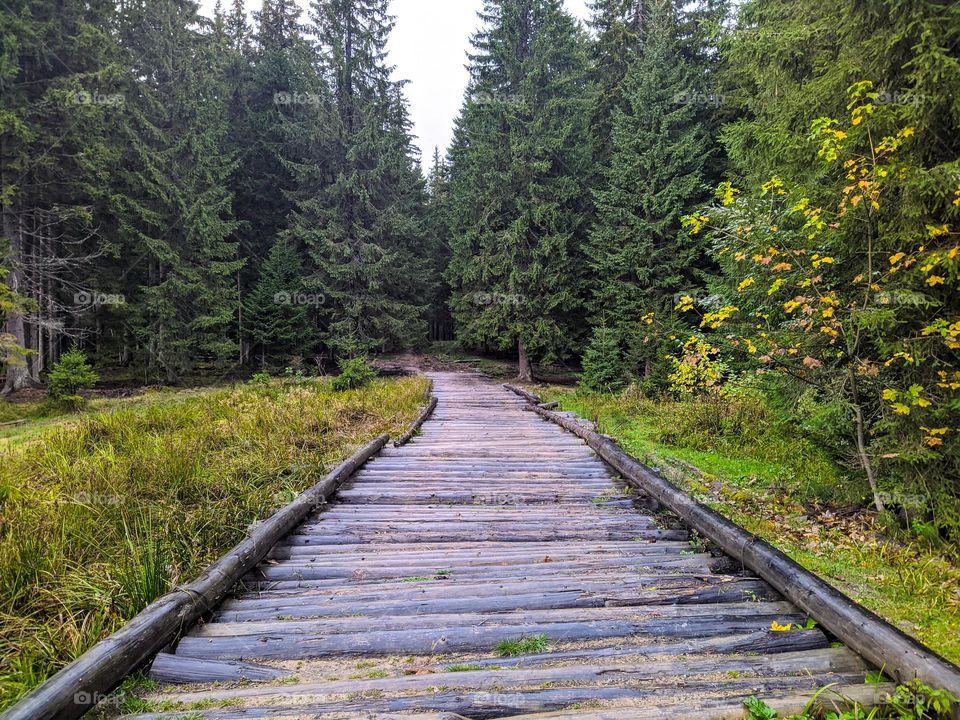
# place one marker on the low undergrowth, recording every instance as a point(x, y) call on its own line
point(104, 513)
point(913, 701)
point(739, 459)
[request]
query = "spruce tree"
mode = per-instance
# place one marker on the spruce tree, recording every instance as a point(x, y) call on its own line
point(519, 164)
point(55, 155)
point(639, 253)
point(603, 366)
point(176, 206)
point(437, 248)
point(277, 310)
point(906, 49)
point(278, 84)
point(360, 195)
point(619, 29)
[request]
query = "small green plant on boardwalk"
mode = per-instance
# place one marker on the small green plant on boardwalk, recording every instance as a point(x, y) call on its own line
point(102, 514)
point(468, 667)
point(522, 646)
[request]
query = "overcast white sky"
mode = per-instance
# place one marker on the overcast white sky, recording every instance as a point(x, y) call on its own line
point(429, 46)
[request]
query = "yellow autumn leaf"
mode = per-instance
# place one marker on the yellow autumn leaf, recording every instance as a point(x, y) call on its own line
point(894, 259)
point(901, 409)
point(935, 280)
point(745, 284)
point(777, 627)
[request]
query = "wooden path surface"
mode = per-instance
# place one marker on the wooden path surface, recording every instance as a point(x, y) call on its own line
point(495, 532)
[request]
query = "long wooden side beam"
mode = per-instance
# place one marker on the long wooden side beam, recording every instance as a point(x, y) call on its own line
point(424, 416)
point(863, 631)
point(89, 678)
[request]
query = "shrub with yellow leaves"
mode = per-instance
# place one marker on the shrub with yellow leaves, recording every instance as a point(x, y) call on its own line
point(850, 285)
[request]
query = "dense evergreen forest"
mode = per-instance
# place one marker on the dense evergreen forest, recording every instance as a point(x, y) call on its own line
point(700, 198)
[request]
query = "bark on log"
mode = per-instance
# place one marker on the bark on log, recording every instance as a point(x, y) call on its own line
point(86, 681)
point(865, 632)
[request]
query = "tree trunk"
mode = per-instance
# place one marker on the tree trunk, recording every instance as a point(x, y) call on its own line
point(526, 369)
point(18, 370)
point(862, 454)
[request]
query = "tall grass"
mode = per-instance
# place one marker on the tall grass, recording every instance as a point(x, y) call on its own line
point(100, 517)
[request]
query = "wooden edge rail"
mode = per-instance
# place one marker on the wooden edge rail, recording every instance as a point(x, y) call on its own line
point(863, 631)
point(89, 678)
point(424, 416)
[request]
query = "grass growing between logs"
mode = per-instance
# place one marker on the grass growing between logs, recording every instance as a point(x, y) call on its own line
point(741, 462)
point(528, 645)
point(102, 514)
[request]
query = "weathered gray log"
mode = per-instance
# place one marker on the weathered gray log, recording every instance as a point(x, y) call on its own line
point(835, 699)
point(760, 642)
point(483, 704)
point(424, 416)
point(86, 681)
point(168, 668)
point(763, 614)
point(529, 397)
point(453, 638)
point(830, 660)
point(862, 630)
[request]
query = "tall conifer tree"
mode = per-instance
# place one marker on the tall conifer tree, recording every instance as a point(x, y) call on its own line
point(359, 201)
point(519, 165)
point(176, 207)
point(639, 254)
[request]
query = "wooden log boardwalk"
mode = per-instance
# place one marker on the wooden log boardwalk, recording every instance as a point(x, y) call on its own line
point(496, 567)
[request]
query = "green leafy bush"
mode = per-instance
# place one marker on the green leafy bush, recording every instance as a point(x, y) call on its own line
point(261, 379)
point(354, 373)
point(69, 376)
point(604, 369)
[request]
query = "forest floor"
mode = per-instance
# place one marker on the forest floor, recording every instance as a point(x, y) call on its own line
point(744, 464)
point(102, 511)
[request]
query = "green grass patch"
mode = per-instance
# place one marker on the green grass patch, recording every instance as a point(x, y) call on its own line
point(102, 512)
point(746, 464)
point(467, 667)
point(529, 645)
